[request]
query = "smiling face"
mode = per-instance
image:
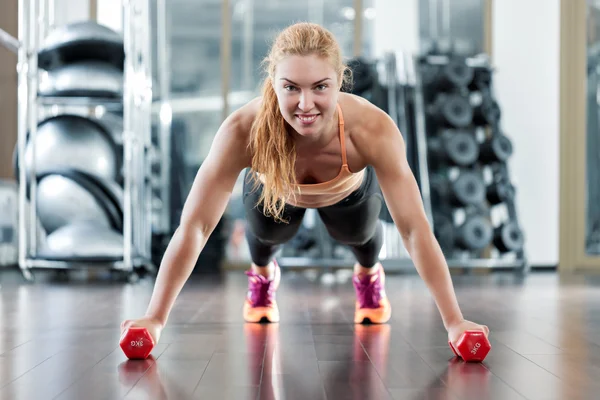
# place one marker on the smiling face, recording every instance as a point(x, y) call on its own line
point(307, 89)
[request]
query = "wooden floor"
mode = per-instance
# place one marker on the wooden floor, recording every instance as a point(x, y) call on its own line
point(59, 340)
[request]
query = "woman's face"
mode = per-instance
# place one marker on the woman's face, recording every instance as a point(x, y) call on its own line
point(307, 89)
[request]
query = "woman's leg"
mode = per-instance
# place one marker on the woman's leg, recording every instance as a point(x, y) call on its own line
point(265, 237)
point(355, 222)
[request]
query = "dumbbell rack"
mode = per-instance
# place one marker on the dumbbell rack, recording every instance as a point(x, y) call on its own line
point(136, 108)
point(461, 258)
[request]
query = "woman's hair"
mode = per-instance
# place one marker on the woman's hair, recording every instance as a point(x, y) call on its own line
point(274, 152)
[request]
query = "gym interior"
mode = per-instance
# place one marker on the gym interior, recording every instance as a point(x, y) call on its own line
point(115, 104)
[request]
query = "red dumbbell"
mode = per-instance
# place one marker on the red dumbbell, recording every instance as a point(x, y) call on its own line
point(472, 346)
point(136, 343)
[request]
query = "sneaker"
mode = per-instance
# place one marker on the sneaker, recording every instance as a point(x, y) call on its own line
point(372, 303)
point(260, 304)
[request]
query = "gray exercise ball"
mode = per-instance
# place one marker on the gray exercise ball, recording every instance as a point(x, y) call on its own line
point(70, 141)
point(84, 78)
point(62, 201)
point(84, 240)
point(79, 41)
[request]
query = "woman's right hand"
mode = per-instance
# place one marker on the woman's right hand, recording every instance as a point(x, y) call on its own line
point(153, 326)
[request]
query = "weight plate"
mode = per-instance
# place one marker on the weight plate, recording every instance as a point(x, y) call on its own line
point(457, 73)
point(455, 111)
point(444, 231)
point(475, 233)
point(497, 148)
point(468, 189)
point(499, 192)
point(508, 238)
point(462, 148)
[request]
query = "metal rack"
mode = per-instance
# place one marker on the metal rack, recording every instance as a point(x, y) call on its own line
point(136, 107)
point(465, 259)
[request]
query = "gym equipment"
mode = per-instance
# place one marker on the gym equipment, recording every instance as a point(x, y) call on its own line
point(458, 148)
point(83, 240)
point(136, 343)
point(482, 79)
point(499, 192)
point(364, 75)
point(487, 113)
point(72, 141)
point(453, 75)
point(475, 233)
point(67, 196)
point(444, 231)
point(467, 189)
point(508, 237)
point(472, 346)
point(455, 106)
point(79, 41)
point(83, 79)
point(451, 110)
point(496, 148)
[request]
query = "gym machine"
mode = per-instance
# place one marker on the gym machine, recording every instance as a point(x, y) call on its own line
point(84, 84)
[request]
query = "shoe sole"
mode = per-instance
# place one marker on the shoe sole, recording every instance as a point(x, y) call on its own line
point(260, 314)
point(373, 316)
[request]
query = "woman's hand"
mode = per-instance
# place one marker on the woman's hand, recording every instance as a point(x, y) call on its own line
point(457, 329)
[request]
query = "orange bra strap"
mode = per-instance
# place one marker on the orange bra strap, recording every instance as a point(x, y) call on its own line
point(342, 136)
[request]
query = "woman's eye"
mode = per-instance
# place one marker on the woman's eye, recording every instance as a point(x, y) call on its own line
point(321, 87)
point(289, 88)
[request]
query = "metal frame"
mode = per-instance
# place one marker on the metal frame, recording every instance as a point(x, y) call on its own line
point(34, 18)
point(517, 261)
point(573, 136)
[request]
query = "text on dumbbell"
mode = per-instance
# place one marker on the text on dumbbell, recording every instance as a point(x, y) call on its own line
point(475, 348)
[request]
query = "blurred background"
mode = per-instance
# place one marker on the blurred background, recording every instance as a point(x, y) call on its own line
point(525, 195)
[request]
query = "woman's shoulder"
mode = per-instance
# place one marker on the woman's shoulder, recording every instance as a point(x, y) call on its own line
point(362, 119)
point(243, 118)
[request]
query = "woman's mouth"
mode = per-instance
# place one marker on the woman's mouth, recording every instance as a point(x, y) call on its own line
point(307, 119)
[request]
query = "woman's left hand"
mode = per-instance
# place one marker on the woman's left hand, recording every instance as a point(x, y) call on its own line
point(457, 329)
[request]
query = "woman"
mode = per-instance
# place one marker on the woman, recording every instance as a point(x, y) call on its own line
point(305, 144)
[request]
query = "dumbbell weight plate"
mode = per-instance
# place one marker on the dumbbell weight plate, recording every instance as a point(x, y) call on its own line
point(452, 111)
point(508, 238)
point(499, 192)
point(444, 231)
point(467, 189)
point(487, 113)
point(458, 148)
point(474, 234)
point(482, 78)
point(455, 74)
point(497, 148)
point(462, 148)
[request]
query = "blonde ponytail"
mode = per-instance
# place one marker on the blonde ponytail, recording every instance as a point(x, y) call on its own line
point(274, 154)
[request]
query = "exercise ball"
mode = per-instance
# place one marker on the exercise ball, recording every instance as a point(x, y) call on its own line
point(71, 141)
point(65, 200)
point(84, 240)
point(79, 41)
point(84, 78)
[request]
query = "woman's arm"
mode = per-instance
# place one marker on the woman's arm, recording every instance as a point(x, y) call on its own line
point(386, 152)
point(202, 211)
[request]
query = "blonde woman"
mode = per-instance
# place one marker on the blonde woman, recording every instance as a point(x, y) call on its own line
point(305, 144)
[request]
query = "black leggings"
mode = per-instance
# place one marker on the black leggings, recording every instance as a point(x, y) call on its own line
point(353, 221)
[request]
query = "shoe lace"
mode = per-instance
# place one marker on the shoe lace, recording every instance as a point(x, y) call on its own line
point(260, 290)
point(368, 288)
